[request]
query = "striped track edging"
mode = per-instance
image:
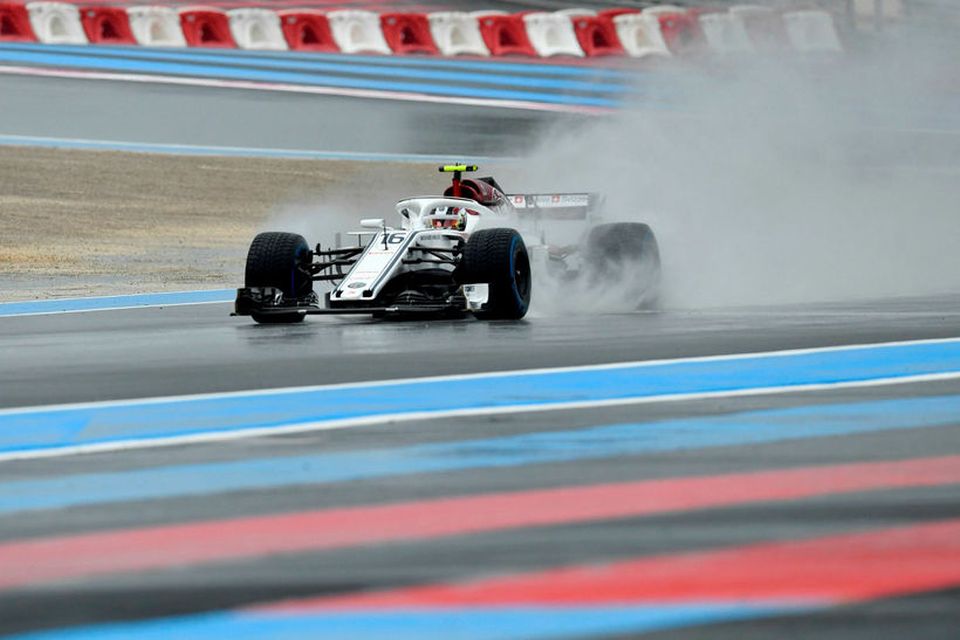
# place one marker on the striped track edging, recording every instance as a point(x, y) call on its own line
point(34, 562)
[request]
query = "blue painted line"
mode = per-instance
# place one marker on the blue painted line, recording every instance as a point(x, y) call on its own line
point(37, 429)
point(67, 305)
point(506, 67)
point(576, 445)
point(519, 623)
point(306, 79)
point(235, 152)
point(357, 69)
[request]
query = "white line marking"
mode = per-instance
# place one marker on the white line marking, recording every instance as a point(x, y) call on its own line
point(30, 314)
point(223, 436)
point(306, 89)
point(113, 296)
point(119, 297)
point(253, 393)
point(87, 144)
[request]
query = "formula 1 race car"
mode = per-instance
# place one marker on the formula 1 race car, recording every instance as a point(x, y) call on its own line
point(469, 250)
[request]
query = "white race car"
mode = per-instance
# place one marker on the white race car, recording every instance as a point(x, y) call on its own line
point(467, 251)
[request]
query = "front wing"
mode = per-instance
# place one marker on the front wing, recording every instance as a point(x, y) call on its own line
point(268, 301)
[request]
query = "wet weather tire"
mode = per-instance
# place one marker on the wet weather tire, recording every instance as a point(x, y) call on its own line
point(499, 257)
point(276, 259)
point(626, 252)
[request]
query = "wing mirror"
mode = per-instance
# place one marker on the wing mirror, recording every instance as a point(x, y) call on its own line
point(372, 223)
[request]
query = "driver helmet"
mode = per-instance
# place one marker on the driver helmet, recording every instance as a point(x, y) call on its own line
point(459, 224)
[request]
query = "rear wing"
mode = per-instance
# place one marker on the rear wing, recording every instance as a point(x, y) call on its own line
point(556, 206)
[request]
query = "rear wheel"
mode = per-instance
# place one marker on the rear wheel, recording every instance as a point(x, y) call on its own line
point(625, 253)
point(499, 258)
point(280, 260)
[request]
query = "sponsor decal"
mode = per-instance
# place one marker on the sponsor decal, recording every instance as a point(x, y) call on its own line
point(562, 200)
point(356, 285)
point(477, 295)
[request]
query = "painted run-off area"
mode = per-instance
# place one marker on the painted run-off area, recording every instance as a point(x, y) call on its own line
point(30, 562)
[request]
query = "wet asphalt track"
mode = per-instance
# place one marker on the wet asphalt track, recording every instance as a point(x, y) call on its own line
point(199, 349)
point(114, 558)
point(128, 112)
point(193, 349)
point(257, 121)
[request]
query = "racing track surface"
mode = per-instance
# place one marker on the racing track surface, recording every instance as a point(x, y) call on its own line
point(256, 121)
point(850, 530)
point(126, 112)
point(810, 494)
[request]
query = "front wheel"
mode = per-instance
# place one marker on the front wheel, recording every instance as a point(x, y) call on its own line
point(499, 258)
point(280, 260)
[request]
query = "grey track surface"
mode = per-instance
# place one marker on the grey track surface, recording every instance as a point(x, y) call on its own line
point(163, 114)
point(206, 116)
point(194, 349)
point(92, 356)
point(197, 349)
